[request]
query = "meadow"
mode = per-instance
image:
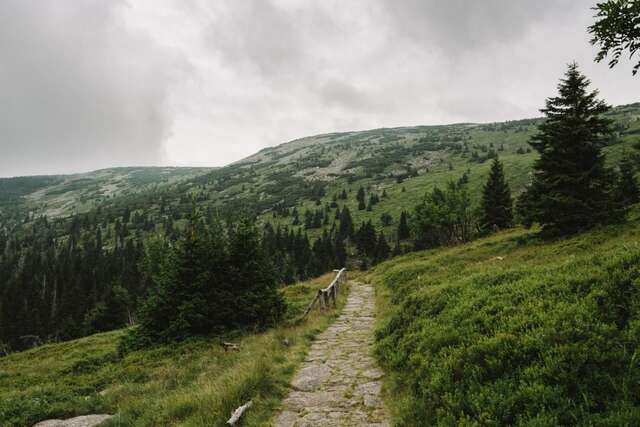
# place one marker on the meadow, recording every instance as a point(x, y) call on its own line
point(193, 383)
point(514, 330)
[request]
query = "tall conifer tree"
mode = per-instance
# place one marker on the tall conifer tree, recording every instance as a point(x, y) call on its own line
point(403, 227)
point(346, 224)
point(627, 187)
point(571, 188)
point(360, 198)
point(497, 205)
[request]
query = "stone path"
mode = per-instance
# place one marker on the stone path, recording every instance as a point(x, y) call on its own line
point(339, 382)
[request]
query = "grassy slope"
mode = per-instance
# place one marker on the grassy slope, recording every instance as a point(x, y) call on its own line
point(405, 195)
point(511, 330)
point(192, 384)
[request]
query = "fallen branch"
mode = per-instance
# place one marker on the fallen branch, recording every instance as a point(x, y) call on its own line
point(235, 417)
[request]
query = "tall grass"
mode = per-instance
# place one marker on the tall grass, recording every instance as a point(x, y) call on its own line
point(194, 383)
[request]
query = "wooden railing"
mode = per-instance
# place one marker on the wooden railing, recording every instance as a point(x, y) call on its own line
point(328, 295)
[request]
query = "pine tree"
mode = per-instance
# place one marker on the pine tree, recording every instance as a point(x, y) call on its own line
point(397, 249)
point(386, 219)
point(308, 219)
point(251, 277)
point(627, 189)
point(497, 205)
point(571, 187)
point(360, 198)
point(382, 248)
point(212, 279)
point(403, 227)
point(296, 216)
point(346, 224)
point(366, 239)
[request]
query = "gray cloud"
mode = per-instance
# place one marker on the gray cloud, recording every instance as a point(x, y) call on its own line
point(95, 83)
point(458, 26)
point(79, 89)
point(256, 33)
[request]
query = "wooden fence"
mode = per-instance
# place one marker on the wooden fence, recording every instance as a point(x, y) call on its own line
point(329, 295)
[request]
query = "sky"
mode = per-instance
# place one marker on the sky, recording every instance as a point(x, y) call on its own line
point(89, 84)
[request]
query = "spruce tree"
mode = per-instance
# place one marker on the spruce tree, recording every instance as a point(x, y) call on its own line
point(382, 248)
point(346, 224)
point(366, 239)
point(252, 278)
point(403, 227)
point(296, 216)
point(497, 205)
point(360, 199)
point(571, 188)
point(627, 189)
point(397, 249)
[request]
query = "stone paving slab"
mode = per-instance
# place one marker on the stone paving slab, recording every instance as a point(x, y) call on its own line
point(83, 421)
point(339, 382)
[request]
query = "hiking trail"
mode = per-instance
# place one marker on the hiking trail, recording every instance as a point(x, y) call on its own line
point(339, 381)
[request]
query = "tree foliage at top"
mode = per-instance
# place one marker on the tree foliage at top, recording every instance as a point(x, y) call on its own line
point(571, 188)
point(617, 30)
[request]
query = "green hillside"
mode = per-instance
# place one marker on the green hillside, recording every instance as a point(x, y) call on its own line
point(402, 162)
point(194, 383)
point(62, 195)
point(513, 330)
point(308, 172)
point(72, 244)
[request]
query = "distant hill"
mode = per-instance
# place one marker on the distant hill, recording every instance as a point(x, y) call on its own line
point(58, 195)
point(403, 162)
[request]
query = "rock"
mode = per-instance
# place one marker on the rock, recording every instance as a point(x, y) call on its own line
point(311, 377)
point(83, 421)
point(373, 374)
point(286, 419)
point(371, 401)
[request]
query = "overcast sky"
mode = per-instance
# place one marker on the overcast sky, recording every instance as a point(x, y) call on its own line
point(87, 84)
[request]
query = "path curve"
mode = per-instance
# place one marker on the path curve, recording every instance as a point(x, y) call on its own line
point(339, 382)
